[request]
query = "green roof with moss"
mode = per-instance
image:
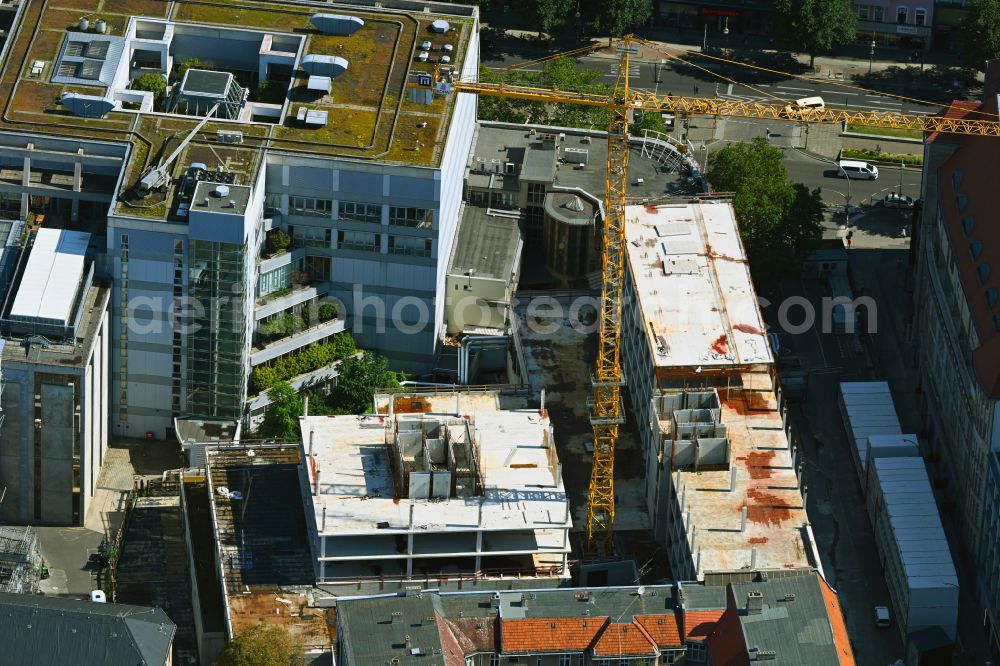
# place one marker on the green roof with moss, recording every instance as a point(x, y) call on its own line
point(370, 115)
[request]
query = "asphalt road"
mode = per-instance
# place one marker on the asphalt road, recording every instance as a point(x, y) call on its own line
point(814, 172)
point(651, 74)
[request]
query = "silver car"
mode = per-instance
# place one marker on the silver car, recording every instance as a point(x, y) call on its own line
point(894, 200)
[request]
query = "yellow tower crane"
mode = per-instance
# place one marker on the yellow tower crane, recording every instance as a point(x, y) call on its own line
point(606, 409)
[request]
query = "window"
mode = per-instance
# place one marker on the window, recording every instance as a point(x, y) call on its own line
point(303, 236)
point(504, 200)
point(318, 268)
point(863, 12)
point(276, 280)
point(409, 245)
point(536, 193)
point(272, 201)
point(564, 660)
point(310, 206)
point(878, 13)
point(494, 659)
point(358, 240)
point(672, 656)
point(602, 662)
point(901, 13)
point(360, 212)
point(919, 16)
point(696, 651)
point(403, 216)
point(477, 197)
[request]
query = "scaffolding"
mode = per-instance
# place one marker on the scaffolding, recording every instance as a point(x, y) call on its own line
point(20, 560)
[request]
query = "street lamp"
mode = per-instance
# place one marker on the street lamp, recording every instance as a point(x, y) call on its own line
point(579, 26)
point(871, 54)
point(847, 205)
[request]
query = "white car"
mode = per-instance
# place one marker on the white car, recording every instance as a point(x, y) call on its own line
point(894, 200)
point(881, 617)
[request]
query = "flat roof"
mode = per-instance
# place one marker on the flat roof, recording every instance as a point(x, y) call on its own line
point(487, 244)
point(499, 143)
point(692, 253)
point(766, 484)
point(523, 487)
point(52, 276)
point(377, 120)
point(915, 522)
point(206, 82)
point(261, 532)
point(221, 199)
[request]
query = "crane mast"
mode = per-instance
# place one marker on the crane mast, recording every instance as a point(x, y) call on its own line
point(606, 414)
point(606, 410)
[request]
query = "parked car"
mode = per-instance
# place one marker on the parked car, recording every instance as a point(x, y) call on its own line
point(893, 200)
point(881, 616)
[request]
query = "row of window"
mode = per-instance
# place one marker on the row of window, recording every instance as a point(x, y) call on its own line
point(876, 13)
point(364, 241)
point(355, 211)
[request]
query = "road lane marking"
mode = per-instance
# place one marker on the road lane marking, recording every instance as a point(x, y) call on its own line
point(791, 88)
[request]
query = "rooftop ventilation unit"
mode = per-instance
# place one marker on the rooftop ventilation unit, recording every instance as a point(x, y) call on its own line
point(221, 191)
point(336, 24)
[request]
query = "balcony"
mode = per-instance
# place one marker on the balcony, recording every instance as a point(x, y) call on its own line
point(274, 262)
point(297, 294)
point(259, 402)
point(306, 336)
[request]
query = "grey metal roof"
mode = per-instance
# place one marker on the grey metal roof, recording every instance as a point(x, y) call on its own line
point(49, 630)
point(539, 163)
point(88, 59)
point(205, 82)
point(487, 243)
point(796, 628)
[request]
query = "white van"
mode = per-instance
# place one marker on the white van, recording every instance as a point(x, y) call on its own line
point(803, 108)
point(816, 103)
point(857, 170)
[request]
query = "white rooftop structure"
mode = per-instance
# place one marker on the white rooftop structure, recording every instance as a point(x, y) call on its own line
point(692, 253)
point(915, 553)
point(52, 277)
point(437, 485)
point(867, 409)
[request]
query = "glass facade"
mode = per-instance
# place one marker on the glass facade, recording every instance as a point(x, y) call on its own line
point(217, 367)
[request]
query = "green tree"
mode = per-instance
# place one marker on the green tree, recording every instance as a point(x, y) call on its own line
point(979, 33)
point(814, 26)
point(562, 73)
point(281, 417)
point(262, 645)
point(154, 83)
point(617, 17)
point(357, 382)
point(278, 241)
point(778, 219)
point(549, 14)
point(647, 120)
point(190, 63)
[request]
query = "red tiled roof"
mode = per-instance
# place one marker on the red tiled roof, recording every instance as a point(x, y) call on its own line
point(549, 634)
point(624, 640)
point(699, 624)
point(956, 109)
point(840, 637)
point(663, 629)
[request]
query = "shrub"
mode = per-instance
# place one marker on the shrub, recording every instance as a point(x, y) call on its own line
point(153, 83)
point(304, 360)
point(278, 241)
point(327, 311)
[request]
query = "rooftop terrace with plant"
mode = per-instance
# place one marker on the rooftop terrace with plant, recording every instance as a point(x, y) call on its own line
point(370, 114)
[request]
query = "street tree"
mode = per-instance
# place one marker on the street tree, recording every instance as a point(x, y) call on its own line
point(778, 219)
point(617, 17)
point(550, 14)
point(979, 33)
point(281, 417)
point(359, 377)
point(262, 645)
point(814, 26)
point(561, 73)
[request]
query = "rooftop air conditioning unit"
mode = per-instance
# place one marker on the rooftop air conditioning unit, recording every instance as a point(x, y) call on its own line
point(229, 136)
